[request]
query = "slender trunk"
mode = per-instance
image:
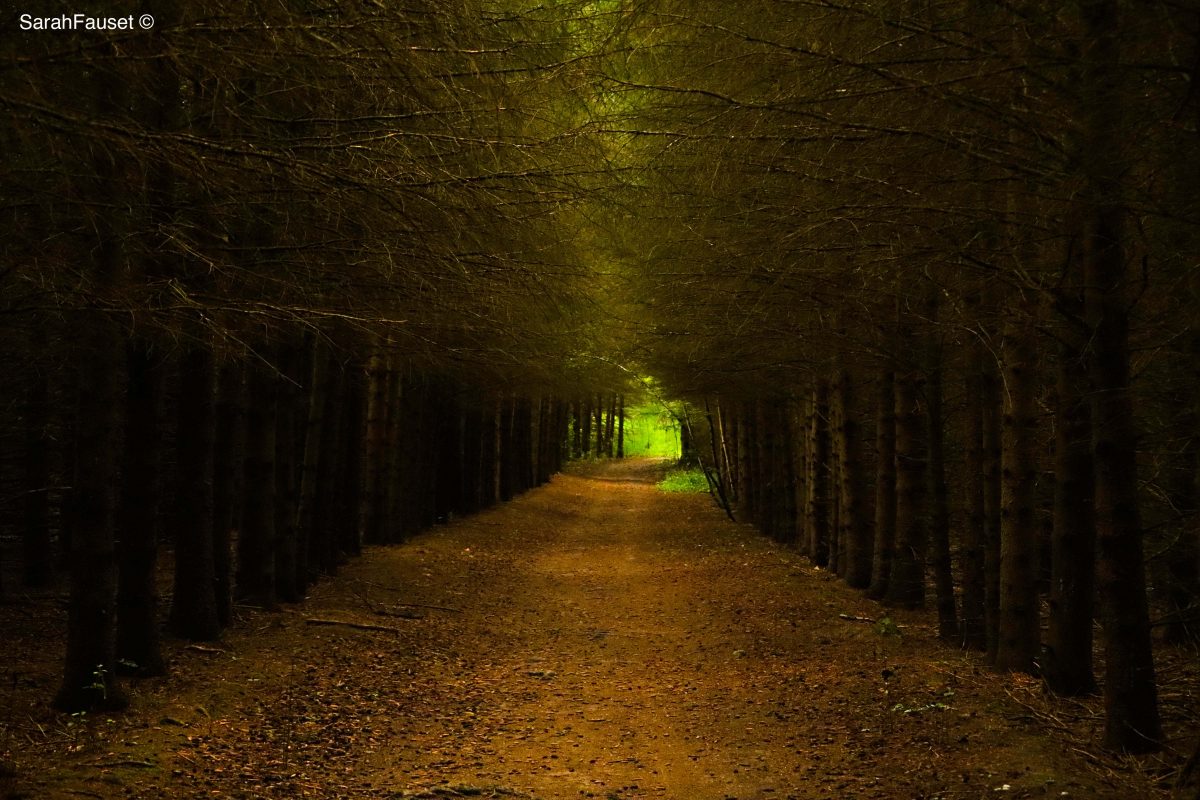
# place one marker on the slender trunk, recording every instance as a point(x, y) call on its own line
point(799, 451)
point(90, 658)
point(621, 426)
point(990, 388)
point(289, 583)
point(885, 487)
point(499, 452)
point(1068, 652)
point(229, 456)
point(599, 423)
point(906, 584)
point(138, 650)
point(256, 544)
point(586, 432)
point(834, 426)
point(817, 513)
point(974, 629)
point(393, 516)
point(374, 447)
point(315, 424)
point(939, 504)
point(1017, 648)
point(610, 429)
point(763, 448)
point(856, 535)
point(746, 488)
point(89, 664)
point(341, 465)
point(577, 431)
point(194, 605)
point(37, 554)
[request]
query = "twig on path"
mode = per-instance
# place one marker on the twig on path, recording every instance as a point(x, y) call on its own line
point(434, 608)
point(199, 648)
point(362, 626)
point(122, 763)
point(852, 618)
point(387, 588)
point(380, 612)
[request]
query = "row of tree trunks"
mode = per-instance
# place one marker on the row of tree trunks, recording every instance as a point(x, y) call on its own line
point(797, 470)
point(291, 457)
point(597, 426)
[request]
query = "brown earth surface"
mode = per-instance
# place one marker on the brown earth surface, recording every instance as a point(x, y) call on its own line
point(594, 638)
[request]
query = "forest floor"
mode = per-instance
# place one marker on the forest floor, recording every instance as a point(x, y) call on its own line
point(594, 638)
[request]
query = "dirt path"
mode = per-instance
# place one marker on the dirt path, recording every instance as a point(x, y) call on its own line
point(596, 638)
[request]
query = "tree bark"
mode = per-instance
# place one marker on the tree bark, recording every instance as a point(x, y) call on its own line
point(289, 582)
point(906, 585)
point(1068, 652)
point(974, 628)
point(1130, 690)
point(256, 544)
point(229, 457)
point(885, 487)
point(939, 504)
point(194, 604)
point(307, 533)
point(856, 535)
point(138, 650)
point(817, 521)
point(1017, 648)
point(990, 393)
point(37, 554)
point(621, 426)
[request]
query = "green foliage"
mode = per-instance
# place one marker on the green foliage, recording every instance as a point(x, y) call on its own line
point(651, 432)
point(684, 480)
point(887, 627)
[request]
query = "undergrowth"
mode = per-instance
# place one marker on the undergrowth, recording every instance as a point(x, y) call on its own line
point(684, 479)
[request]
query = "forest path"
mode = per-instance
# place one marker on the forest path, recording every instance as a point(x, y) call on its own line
point(594, 638)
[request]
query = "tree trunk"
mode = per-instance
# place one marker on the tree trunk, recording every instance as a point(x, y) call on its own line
point(856, 535)
point(194, 604)
point(89, 664)
point(375, 447)
point(906, 586)
point(621, 426)
point(834, 426)
point(229, 457)
point(885, 487)
point(289, 582)
point(37, 554)
point(1017, 647)
point(799, 435)
point(1068, 653)
point(939, 504)
point(992, 507)
point(1130, 690)
point(974, 628)
point(138, 650)
point(342, 465)
point(817, 513)
point(256, 544)
point(314, 429)
point(586, 432)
